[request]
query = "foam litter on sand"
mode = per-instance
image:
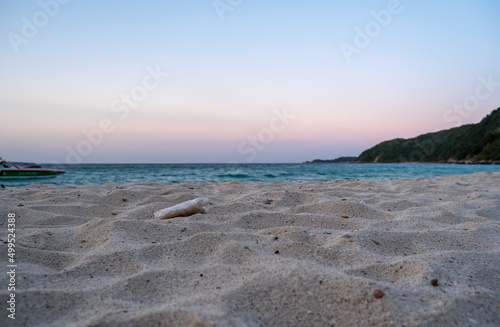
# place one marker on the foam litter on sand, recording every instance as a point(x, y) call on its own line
point(406, 252)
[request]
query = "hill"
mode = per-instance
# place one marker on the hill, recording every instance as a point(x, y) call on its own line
point(338, 160)
point(472, 143)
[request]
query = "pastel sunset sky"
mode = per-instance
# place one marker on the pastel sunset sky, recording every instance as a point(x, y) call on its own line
point(238, 80)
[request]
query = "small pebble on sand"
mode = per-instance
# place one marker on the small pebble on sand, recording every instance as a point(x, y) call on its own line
point(378, 294)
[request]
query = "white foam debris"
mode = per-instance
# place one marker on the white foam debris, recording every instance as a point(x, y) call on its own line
point(185, 208)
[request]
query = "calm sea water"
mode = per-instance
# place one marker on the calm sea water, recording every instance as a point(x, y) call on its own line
point(180, 173)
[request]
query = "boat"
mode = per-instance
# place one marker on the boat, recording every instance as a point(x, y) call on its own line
point(17, 170)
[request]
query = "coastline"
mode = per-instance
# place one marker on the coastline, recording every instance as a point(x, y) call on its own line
point(457, 162)
point(450, 162)
point(301, 253)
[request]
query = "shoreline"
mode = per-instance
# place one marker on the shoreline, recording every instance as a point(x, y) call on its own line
point(393, 252)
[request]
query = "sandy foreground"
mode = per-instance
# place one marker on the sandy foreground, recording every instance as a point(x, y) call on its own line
point(264, 254)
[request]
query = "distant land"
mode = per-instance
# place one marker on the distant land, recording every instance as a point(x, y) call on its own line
point(338, 160)
point(471, 143)
point(468, 144)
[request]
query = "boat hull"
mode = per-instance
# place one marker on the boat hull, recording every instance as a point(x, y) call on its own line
point(29, 173)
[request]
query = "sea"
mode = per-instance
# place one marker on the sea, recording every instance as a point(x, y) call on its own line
point(81, 174)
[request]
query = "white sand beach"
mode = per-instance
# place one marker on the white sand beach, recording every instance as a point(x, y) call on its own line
point(422, 252)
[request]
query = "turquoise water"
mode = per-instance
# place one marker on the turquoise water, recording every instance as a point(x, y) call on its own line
point(80, 174)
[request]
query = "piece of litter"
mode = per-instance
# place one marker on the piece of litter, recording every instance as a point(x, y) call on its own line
point(345, 216)
point(185, 208)
point(473, 321)
point(309, 292)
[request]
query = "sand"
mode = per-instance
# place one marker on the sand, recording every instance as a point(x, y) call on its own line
point(264, 254)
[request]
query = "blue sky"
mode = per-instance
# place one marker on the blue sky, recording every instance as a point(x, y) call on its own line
point(225, 79)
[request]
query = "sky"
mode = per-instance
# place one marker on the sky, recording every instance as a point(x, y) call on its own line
point(245, 81)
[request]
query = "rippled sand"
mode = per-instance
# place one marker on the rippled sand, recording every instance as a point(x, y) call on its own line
point(264, 254)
